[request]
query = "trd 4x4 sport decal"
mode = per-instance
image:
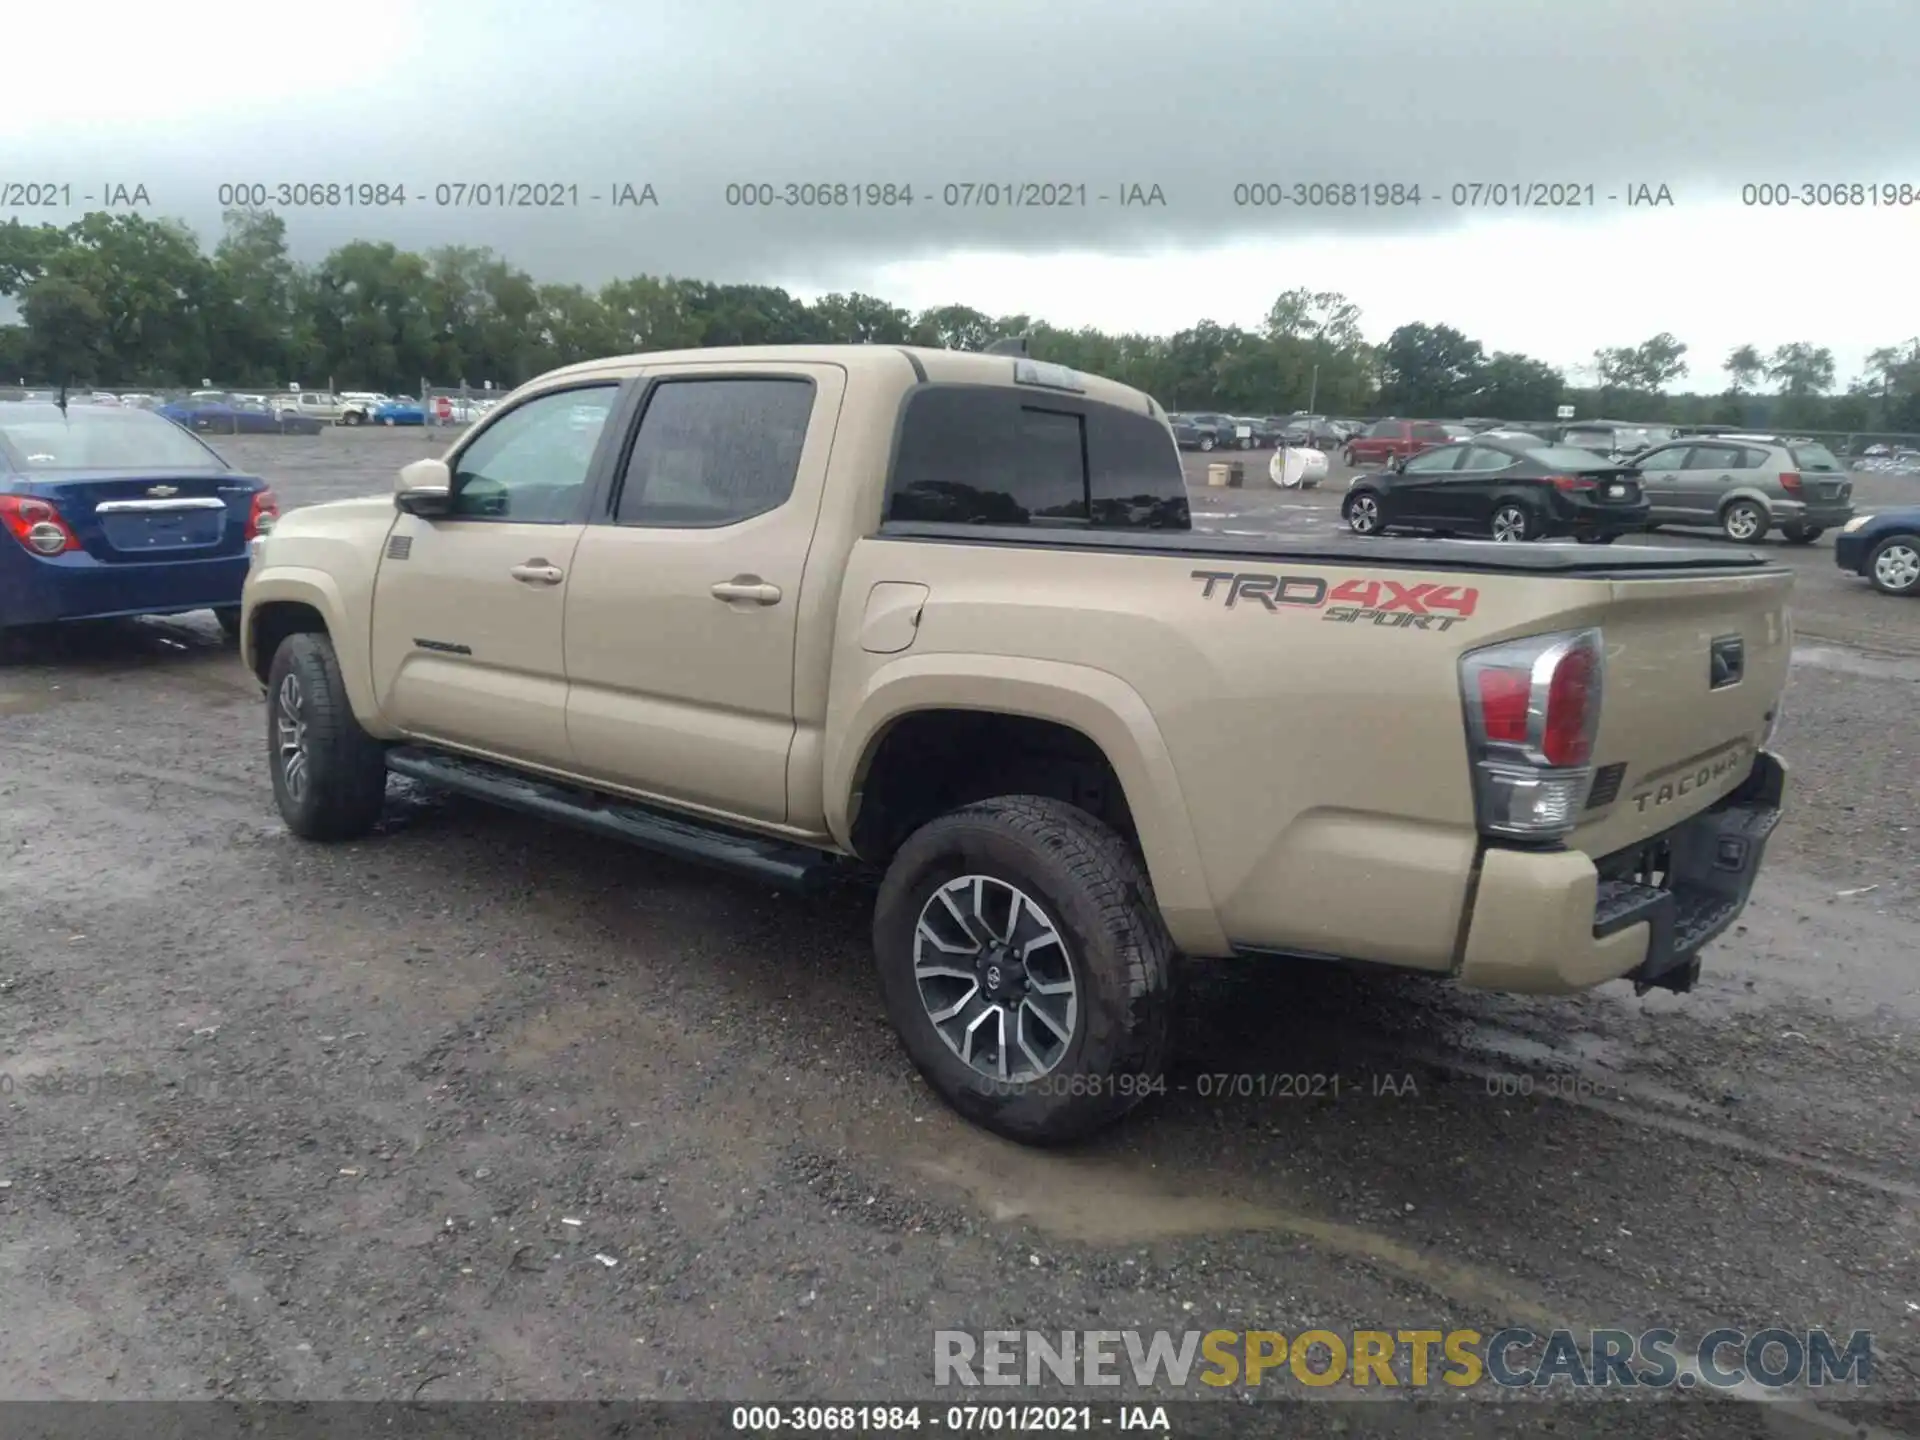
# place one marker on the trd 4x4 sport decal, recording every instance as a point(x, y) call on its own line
point(1388, 604)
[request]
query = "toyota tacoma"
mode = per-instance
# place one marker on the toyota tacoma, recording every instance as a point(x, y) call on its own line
point(939, 621)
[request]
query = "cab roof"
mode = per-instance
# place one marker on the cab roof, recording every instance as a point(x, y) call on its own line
point(903, 365)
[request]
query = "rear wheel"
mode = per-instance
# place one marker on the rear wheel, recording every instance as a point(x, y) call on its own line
point(1743, 521)
point(1511, 523)
point(1894, 566)
point(1800, 534)
point(1598, 539)
point(229, 618)
point(1026, 967)
point(329, 775)
point(1362, 513)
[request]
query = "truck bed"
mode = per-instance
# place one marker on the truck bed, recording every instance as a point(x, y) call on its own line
point(1588, 562)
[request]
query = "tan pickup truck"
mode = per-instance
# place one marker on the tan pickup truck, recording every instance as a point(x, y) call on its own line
point(940, 619)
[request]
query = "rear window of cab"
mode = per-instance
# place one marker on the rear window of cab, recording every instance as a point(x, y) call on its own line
point(1000, 455)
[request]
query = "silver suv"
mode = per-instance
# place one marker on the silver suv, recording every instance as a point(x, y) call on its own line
point(1747, 485)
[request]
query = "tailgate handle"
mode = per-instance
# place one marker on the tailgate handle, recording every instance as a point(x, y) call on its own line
point(1726, 662)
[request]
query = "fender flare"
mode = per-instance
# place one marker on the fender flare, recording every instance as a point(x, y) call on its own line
point(1098, 704)
point(305, 586)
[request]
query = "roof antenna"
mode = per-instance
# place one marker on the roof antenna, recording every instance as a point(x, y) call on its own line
point(1012, 345)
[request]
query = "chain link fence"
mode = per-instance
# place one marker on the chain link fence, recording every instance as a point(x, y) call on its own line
point(457, 406)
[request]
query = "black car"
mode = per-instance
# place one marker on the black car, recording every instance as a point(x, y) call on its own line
point(1186, 434)
point(1311, 430)
point(1497, 488)
point(1263, 434)
point(1219, 432)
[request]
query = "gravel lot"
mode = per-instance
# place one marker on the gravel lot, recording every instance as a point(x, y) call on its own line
point(299, 1122)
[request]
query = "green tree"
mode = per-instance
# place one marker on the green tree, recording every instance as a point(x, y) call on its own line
point(1518, 387)
point(1744, 367)
point(1430, 370)
point(68, 331)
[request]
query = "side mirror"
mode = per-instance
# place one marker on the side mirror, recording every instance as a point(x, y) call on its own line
point(1399, 463)
point(424, 488)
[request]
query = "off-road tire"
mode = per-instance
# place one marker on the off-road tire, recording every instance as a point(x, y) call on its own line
point(229, 618)
point(346, 779)
point(1729, 523)
point(1096, 892)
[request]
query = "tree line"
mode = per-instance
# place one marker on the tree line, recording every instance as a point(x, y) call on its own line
point(123, 299)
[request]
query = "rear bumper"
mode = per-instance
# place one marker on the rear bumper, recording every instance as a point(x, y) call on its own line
point(1824, 514)
point(1552, 922)
point(38, 591)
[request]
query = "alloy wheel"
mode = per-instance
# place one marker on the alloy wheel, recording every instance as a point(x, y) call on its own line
point(290, 736)
point(995, 978)
point(1363, 514)
point(1509, 523)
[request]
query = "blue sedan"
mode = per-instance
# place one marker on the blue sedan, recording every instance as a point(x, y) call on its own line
point(1884, 547)
point(400, 412)
point(113, 512)
point(230, 416)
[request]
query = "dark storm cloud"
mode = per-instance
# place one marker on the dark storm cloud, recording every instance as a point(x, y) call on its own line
point(1699, 95)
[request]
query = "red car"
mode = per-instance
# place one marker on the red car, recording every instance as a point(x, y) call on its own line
point(1386, 440)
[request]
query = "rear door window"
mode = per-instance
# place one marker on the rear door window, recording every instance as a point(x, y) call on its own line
point(1387, 430)
point(1486, 459)
point(713, 452)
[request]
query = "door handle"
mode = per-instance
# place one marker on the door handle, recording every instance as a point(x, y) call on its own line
point(747, 587)
point(537, 572)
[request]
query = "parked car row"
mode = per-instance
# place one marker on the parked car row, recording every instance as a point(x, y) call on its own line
point(1209, 430)
point(1516, 485)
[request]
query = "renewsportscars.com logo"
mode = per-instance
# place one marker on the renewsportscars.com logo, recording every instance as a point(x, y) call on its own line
point(1514, 1358)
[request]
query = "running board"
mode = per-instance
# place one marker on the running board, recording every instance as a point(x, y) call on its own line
point(789, 866)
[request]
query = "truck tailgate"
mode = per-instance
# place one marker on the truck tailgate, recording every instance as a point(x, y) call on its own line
point(1692, 680)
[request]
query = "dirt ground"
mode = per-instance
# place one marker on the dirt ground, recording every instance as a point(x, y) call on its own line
point(288, 1121)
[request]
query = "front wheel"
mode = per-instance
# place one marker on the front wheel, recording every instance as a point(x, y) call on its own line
point(1206, 442)
point(1362, 513)
point(1894, 566)
point(1801, 534)
point(329, 775)
point(1026, 968)
point(1346, 458)
point(1511, 523)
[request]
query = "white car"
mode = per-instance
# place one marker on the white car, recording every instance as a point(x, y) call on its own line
point(357, 406)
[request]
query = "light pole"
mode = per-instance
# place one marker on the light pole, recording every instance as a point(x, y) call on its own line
point(1313, 393)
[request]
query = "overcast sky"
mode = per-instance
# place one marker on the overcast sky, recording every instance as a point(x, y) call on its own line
point(1701, 96)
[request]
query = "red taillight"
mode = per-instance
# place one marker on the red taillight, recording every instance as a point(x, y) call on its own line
point(1573, 482)
point(1568, 735)
point(1504, 697)
point(37, 525)
point(266, 510)
point(1533, 709)
point(1789, 481)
